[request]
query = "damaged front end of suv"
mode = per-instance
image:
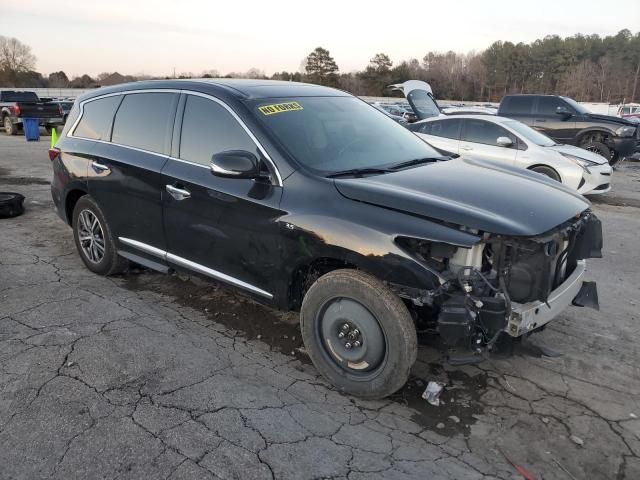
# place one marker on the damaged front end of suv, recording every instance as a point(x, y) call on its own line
point(504, 284)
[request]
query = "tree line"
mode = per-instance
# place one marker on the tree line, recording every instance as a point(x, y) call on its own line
point(585, 67)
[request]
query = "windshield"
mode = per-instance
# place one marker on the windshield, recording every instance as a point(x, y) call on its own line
point(333, 134)
point(575, 105)
point(530, 134)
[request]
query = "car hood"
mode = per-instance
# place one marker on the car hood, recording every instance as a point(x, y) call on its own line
point(609, 118)
point(579, 152)
point(471, 193)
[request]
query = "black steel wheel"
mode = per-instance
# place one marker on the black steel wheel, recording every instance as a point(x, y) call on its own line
point(358, 333)
point(599, 148)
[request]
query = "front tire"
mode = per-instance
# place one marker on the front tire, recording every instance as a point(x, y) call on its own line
point(351, 307)
point(599, 148)
point(94, 240)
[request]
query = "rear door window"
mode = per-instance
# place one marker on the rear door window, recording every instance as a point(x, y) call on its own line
point(97, 118)
point(145, 121)
point(518, 104)
point(487, 133)
point(208, 128)
point(445, 128)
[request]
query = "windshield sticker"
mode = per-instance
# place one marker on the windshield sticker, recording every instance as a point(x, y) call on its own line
point(280, 107)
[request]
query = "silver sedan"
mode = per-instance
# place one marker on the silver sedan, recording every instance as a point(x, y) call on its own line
point(505, 140)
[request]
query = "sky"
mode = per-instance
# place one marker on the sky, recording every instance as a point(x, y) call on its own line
point(153, 37)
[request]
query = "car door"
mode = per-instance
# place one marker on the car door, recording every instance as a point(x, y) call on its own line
point(442, 134)
point(224, 228)
point(549, 121)
point(125, 177)
point(479, 139)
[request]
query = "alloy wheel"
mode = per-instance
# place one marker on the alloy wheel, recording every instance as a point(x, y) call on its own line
point(91, 236)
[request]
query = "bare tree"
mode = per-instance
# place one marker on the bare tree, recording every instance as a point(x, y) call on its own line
point(15, 58)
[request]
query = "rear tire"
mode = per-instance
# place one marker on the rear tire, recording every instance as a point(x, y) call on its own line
point(8, 126)
point(547, 171)
point(94, 240)
point(380, 331)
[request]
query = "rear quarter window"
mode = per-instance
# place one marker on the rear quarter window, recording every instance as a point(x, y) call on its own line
point(97, 116)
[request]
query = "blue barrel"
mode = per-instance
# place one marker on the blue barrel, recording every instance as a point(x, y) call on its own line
point(31, 129)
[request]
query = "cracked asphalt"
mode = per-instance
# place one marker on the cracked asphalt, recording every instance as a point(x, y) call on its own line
point(169, 377)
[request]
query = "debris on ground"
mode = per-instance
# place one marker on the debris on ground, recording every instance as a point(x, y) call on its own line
point(545, 420)
point(576, 440)
point(454, 418)
point(440, 425)
point(633, 415)
point(432, 392)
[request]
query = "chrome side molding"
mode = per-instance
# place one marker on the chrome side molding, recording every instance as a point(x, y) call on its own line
point(196, 267)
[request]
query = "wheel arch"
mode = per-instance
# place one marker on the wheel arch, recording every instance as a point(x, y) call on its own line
point(71, 198)
point(307, 273)
point(596, 134)
point(545, 165)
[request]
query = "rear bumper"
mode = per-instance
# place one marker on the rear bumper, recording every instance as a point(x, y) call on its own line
point(54, 121)
point(529, 316)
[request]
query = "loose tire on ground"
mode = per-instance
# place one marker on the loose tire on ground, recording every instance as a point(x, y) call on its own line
point(547, 171)
point(109, 262)
point(380, 365)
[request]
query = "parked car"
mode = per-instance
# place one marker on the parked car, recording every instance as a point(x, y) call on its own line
point(309, 199)
point(14, 106)
point(513, 143)
point(65, 105)
point(469, 110)
point(630, 111)
point(566, 121)
point(396, 114)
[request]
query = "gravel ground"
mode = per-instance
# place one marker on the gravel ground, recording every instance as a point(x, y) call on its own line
point(153, 376)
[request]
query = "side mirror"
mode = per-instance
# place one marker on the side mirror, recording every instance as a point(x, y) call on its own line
point(563, 111)
point(504, 142)
point(235, 164)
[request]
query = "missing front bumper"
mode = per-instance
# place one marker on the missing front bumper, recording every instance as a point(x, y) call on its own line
point(529, 316)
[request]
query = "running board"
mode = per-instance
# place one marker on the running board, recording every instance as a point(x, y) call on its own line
point(145, 262)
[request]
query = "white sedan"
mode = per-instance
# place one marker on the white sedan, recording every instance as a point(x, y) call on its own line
point(505, 140)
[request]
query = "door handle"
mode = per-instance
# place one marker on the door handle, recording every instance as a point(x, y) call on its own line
point(178, 193)
point(466, 147)
point(98, 167)
point(540, 120)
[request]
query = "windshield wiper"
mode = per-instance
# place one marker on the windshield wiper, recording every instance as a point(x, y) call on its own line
point(416, 161)
point(358, 172)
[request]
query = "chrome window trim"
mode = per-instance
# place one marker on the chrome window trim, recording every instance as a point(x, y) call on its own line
point(183, 262)
point(179, 91)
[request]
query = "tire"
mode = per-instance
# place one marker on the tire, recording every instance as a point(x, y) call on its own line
point(109, 262)
point(8, 126)
point(599, 148)
point(377, 318)
point(547, 171)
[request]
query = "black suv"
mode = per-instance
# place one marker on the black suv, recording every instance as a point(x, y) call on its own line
point(309, 199)
point(566, 121)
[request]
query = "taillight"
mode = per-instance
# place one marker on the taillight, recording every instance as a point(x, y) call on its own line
point(16, 110)
point(53, 153)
